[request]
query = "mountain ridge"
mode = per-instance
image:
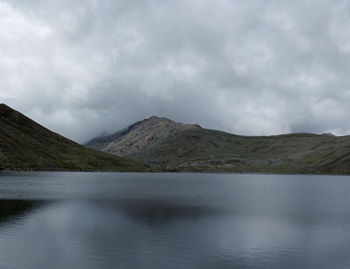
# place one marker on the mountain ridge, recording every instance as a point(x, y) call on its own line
point(146, 135)
point(170, 146)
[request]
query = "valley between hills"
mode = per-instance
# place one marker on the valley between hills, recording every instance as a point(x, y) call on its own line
point(160, 144)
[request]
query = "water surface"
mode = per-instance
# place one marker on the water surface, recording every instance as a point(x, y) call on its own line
point(129, 220)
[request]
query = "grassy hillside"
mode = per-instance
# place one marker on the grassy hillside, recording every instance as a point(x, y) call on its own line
point(198, 149)
point(26, 145)
point(216, 151)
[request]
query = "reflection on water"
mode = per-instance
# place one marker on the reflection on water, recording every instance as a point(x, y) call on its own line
point(173, 221)
point(12, 209)
point(157, 212)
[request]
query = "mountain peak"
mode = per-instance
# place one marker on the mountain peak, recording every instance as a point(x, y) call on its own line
point(161, 125)
point(158, 118)
point(168, 123)
point(141, 135)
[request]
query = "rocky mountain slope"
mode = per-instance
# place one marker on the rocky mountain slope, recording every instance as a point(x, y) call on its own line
point(26, 145)
point(140, 136)
point(170, 146)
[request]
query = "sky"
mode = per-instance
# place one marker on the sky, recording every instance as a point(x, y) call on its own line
point(84, 68)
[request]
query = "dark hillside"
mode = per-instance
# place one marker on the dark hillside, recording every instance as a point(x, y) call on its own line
point(26, 145)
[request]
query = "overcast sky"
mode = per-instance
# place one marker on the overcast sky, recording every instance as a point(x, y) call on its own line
point(253, 67)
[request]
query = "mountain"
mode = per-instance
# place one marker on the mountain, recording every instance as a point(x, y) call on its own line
point(170, 146)
point(140, 136)
point(26, 145)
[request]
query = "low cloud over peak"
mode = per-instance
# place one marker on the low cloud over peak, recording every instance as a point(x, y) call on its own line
point(85, 67)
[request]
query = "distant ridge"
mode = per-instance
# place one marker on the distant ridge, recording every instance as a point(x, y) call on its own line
point(26, 145)
point(171, 146)
point(140, 136)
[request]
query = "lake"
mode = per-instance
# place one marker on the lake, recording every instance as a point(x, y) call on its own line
point(130, 220)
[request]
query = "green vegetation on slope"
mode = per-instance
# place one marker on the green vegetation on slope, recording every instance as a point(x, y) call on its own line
point(198, 149)
point(26, 145)
point(209, 150)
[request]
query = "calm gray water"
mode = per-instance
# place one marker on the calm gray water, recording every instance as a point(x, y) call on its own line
point(127, 220)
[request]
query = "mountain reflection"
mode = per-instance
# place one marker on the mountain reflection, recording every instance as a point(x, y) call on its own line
point(174, 221)
point(14, 208)
point(157, 212)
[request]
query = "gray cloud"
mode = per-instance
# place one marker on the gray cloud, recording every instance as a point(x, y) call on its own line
point(84, 67)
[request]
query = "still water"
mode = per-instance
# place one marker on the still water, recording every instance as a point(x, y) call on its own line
point(129, 220)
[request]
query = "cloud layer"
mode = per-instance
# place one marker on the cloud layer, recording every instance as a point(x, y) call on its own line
point(84, 67)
